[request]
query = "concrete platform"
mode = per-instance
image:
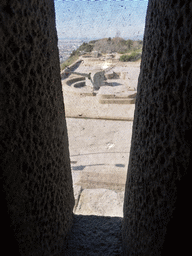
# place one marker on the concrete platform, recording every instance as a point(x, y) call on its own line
point(115, 100)
point(82, 106)
point(100, 202)
point(99, 144)
point(99, 130)
point(99, 154)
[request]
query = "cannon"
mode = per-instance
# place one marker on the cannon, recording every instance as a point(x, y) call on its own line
point(78, 73)
point(95, 79)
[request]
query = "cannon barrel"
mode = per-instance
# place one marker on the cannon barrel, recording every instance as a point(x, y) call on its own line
point(96, 78)
point(81, 74)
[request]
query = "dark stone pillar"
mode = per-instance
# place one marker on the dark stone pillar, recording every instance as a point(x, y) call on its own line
point(156, 206)
point(36, 177)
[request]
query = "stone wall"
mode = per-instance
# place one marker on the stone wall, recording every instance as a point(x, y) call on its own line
point(36, 178)
point(37, 182)
point(156, 209)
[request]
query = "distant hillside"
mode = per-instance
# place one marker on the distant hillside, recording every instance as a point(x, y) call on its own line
point(116, 44)
point(107, 45)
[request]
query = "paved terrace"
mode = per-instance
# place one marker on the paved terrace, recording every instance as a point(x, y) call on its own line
point(99, 144)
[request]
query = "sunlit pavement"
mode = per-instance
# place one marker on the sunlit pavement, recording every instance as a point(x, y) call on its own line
point(99, 153)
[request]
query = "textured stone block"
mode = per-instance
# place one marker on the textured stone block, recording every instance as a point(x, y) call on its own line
point(160, 150)
point(34, 150)
point(101, 202)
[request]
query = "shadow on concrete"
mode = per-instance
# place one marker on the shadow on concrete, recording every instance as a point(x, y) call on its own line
point(120, 165)
point(101, 153)
point(94, 236)
point(77, 64)
point(81, 167)
point(112, 84)
point(78, 168)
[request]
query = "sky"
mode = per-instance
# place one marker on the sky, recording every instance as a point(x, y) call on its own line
point(95, 19)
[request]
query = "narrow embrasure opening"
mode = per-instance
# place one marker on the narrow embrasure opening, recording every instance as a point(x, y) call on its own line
point(100, 46)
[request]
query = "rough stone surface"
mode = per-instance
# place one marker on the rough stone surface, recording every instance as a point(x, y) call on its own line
point(37, 183)
point(154, 215)
point(100, 202)
point(34, 146)
point(94, 236)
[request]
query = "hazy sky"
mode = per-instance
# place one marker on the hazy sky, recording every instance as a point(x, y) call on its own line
point(100, 18)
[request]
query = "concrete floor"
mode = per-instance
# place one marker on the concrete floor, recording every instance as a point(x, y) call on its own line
point(99, 145)
point(99, 153)
point(80, 102)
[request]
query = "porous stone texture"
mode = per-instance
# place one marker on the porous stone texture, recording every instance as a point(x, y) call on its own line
point(36, 177)
point(34, 146)
point(94, 236)
point(156, 212)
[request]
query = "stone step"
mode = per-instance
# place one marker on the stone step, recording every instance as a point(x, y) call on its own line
point(77, 193)
point(117, 101)
point(114, 180)
point(127, 95)
point(100, 202)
